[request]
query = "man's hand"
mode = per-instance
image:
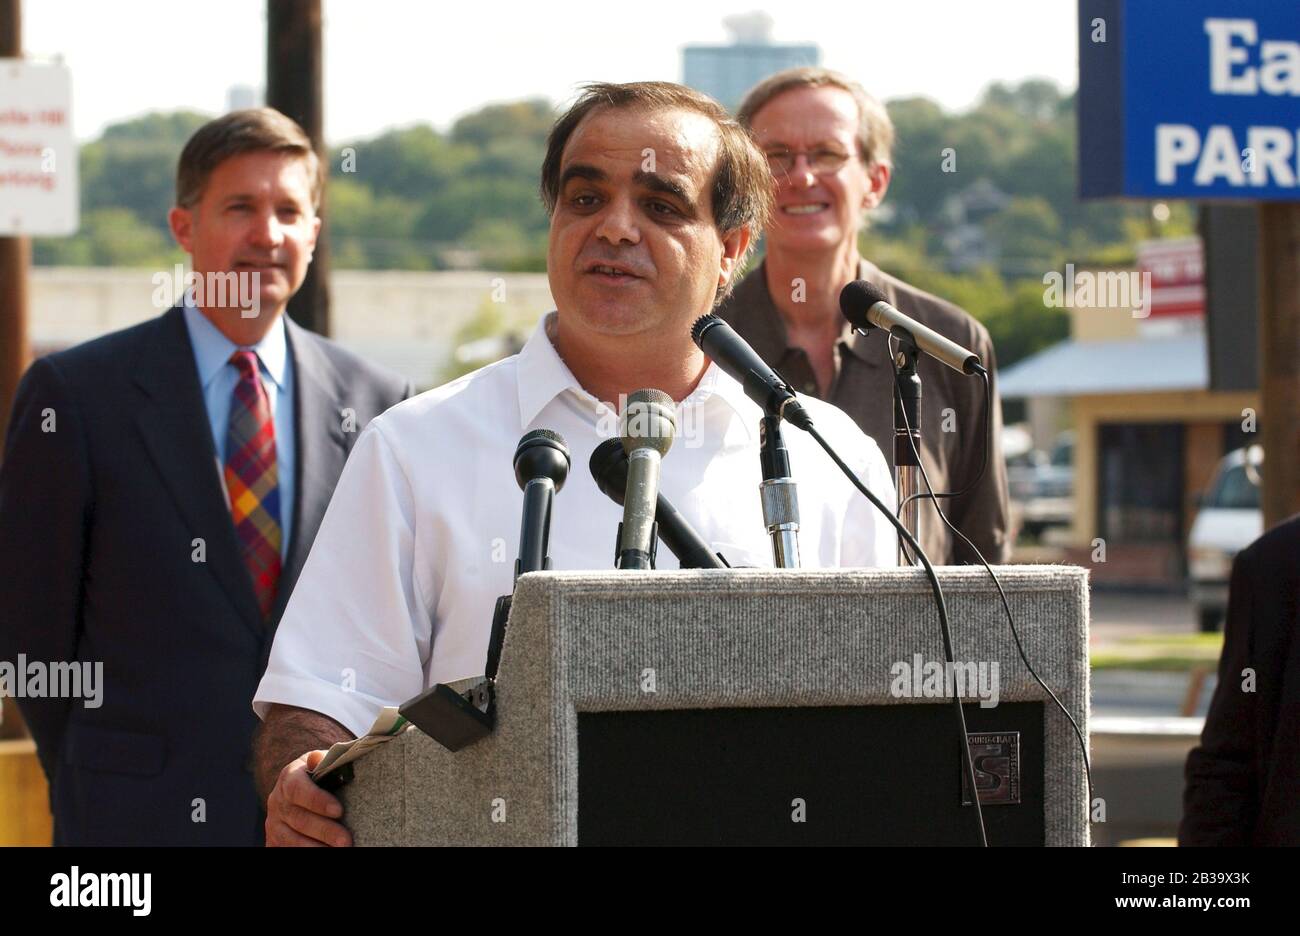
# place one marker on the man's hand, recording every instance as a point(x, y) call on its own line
point(298, 812)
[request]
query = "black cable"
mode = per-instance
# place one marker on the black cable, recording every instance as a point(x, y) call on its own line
point(979, 475)
point(943, 618)
point(988, 442)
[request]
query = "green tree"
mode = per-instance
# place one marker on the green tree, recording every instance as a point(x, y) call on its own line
point(1028, 234)
point(109, 237)
point(528, 120)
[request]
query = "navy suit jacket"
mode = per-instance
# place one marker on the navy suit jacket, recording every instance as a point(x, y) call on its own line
point(1243, 781)
point(99, 562)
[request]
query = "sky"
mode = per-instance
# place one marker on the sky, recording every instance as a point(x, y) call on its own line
point(397, 62)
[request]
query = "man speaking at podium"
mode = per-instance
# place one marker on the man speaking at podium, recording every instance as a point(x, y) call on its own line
point(655, 195)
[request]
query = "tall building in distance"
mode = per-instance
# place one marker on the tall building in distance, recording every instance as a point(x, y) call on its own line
point(242, 96)
point(726, 72)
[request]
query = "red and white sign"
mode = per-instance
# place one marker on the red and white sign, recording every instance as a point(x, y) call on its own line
point(1177, 268)
point(38, 154)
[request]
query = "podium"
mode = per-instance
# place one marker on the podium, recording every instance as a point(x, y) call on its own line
point(757, 706)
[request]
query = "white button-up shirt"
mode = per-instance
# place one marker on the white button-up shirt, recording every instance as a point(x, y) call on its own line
point(423, 530)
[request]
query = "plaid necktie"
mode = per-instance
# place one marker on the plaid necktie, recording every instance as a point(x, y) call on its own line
point(252, 479)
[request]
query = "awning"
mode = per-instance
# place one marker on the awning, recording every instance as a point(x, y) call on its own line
point(1133, 365)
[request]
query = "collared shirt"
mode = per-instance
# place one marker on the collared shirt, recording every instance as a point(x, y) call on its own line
point(218, 378)
point(422, 533)
point(952, 404)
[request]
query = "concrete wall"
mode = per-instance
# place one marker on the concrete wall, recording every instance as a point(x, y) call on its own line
point(1093, 323)
point(406, 321)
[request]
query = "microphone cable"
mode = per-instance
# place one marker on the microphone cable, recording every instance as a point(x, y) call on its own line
point(1015, 635)
point(943, 617)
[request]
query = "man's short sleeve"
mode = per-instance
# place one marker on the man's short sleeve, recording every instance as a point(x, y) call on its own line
point(879, 478)
point(870, 540)
point(356, 631)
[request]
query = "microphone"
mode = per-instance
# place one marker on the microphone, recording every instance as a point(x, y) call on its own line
point(763, 385)
point(541, 467)
point(647, 431)
point(779, 496)
point(609, 468)
point(456, 718)
point(865, 305)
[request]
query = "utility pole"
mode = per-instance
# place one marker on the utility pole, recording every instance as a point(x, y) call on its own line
point(1279, 361)
point(15, 257)
point(293, 87)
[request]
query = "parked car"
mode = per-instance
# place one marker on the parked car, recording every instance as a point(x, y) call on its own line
point(1045, 487)
point(1230, 519)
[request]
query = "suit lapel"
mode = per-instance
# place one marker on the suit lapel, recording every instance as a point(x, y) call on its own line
point(174, 424)
point(322, 448)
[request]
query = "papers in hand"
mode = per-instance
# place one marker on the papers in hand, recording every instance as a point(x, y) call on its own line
point(387, 726)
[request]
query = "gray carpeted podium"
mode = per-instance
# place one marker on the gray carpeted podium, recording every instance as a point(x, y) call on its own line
point(756, 707)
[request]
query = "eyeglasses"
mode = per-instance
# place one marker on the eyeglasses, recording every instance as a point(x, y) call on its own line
point(820, 161)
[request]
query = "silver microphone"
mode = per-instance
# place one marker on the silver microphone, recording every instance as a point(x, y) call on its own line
point(647, 429)
point(864, 305)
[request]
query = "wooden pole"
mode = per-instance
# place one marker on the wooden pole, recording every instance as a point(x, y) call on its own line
point(293, 87)
point(1279, 373)
point(15, 257)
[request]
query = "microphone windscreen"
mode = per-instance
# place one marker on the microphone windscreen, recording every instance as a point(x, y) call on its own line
point(649, 421)
point(702, 323)
point(609, 469)
point(856, 298)
point(542, 454)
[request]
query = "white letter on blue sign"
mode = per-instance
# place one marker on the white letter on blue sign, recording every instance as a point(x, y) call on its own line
point(1273, 148)
point(1219, 158)
point(1223, 55)
point(1176, 145)
point(1279, 71)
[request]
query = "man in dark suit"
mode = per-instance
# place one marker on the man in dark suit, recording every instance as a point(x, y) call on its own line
point(1243, 781)
point(160, 491)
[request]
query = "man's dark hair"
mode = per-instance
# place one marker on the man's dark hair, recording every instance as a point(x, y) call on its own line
point(742, 180)
point(243, 131)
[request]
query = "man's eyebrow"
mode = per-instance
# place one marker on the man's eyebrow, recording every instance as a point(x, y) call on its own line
point(773, 145)
point(280, 200)
point(582, 171)
point(657, 183)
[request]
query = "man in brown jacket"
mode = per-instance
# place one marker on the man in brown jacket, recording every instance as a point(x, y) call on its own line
point(828, 143)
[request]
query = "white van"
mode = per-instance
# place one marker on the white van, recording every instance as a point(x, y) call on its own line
point(1230, 519)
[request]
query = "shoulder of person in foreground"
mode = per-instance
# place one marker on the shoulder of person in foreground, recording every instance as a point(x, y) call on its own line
point(364, 600)
point(870, 539)
point(858, 449)
point(462, 402)
point(1274, 555)
point(1220, 799)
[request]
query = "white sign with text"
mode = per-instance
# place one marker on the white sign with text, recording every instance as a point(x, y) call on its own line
point(38, 154)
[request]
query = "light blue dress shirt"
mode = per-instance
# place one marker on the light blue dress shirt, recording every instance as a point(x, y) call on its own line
point(218, 377)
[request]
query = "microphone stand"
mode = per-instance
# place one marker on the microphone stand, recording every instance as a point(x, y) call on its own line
point(780, 499)
point(907, 412)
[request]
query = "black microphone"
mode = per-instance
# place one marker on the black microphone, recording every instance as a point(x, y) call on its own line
point(609, 469)
point(647, 431)
point(541, 467)
point(763, 385)
point(865, 305)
